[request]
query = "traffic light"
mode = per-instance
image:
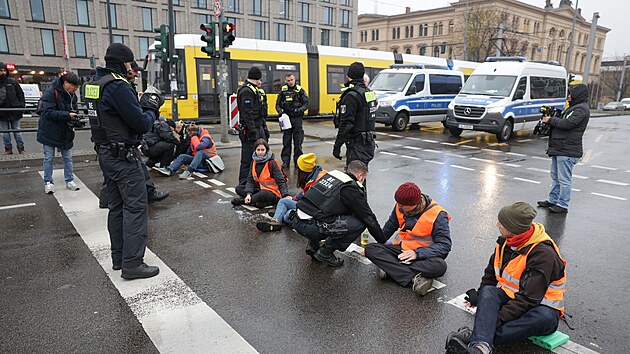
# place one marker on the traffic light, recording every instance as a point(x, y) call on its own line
point(227, 38)
point(211, 47)
point(162, 47)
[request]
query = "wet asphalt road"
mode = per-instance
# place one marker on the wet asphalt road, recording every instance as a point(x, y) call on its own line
point(56, 298)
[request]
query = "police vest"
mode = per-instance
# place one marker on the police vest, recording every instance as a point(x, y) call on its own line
point(266, 180)
point(365, 120)
point(195, 140)
point(264, 107)
point(106, 126)
point(323, 200)
point(509, 279)
point(292, 99)
point(257, 104)
point(420, 235)
point(310, 183)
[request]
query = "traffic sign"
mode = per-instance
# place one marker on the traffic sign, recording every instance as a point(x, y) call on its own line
point(218, 8)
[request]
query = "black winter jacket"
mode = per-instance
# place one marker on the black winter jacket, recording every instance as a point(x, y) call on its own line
point(160, 132)
point(53, 128)
point(11, 96)
point(567, 132)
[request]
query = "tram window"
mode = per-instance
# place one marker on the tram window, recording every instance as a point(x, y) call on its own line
point(336, 77)
point(244, 66)
point(279, 71)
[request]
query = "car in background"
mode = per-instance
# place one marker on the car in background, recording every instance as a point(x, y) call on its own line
point(32, 94)
point(626, 103)
point(614, 106)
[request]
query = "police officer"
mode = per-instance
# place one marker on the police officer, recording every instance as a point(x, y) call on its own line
point(250, 105)
point(335, 209)
point(292, 101)
point(117, 121)
point(264, 109)
point(356, 118)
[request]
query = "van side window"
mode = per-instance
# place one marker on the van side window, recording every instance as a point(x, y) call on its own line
point(522, 85)
point(419, 82)
point(444, 84)
point(547, 87)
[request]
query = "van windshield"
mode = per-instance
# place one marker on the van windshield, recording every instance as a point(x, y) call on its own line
point(489, 85)
point(390, 82)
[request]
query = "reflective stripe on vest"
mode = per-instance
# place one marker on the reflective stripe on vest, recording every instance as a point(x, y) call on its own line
point(195, 140)
point(266, 180)
point(509, 279)
point(310, 183)
point(420, 236)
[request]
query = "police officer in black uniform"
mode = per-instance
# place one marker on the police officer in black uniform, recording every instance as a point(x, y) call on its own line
point(264, 109)
point(292, 101)
point(356, 118)
point(335, 209)
point(251, 127)
point(117, 121)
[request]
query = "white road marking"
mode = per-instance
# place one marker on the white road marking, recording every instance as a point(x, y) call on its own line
point(628, 171)
point(580, 177)
point(249, 207)
point(388, 153)
point(509, 164)
point(524, 140)
point(410, 157)
point(395, 136)
point(392, 144)
point(435, 162)
point(604, 167)
point(538, 169)
point(576, 190)
point(492, 173)
point(231, 190)
point(332, 142)
point(434, 151)
point(378, 133)
point(449, 144)
point(599, 138)
point(457, 155)
point(200, 175)
point(412, 147)
point(526, 180)
point(541, 158)
point(514, 154)
point(608, 196)
point(613, 182)
point(463, 168)
point(354, 251)
point(171, 314)
point(469, 147)
point(430, 141)
point(222, 193)
point(482, 160)
point(15, 206)
point(216, 182)
point(204, 185)
point(413, 138)
point(492, 151)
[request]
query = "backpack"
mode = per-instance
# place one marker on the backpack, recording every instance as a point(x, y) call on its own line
point(286, 178)
point(40, 103)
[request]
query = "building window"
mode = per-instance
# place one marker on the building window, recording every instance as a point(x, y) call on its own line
point(423, 50)
point(411, 31)
point(325, 40)
point(440, 28)
point(377, 35)
point(4, 43)
point(436, 51)
point(147, 19)
point(83, 18)
point(286, 9)
point(200, 4)
point(398, 32)
point(344, 41)
point(304, 10)
point(234, 6)
point(259, 30)
point(4, 9)
point(118, 39)
point(143, 44)
point(48, 42)
point(281, 32)
point(406, 31)
point(328, 16)
point(204, 18)
point(451, 26)
point(112, 14)
point(408, 51)
point(425, 30)
point(393, 33)
point(257, 7)
point(307, 35)
point(373, 35)
point(79, 45)
point(345, 19)
point(346, 2)
point(37, 11)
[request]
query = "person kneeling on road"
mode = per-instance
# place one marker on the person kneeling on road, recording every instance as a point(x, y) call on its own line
point(308, 174)
point(335, 209)
point(201, 148)
point(266, 183)
point(160, 141)
point(416, 254)
point(522, 290)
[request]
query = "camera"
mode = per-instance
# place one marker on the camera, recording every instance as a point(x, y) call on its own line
point(77, 122)
point(543, 128)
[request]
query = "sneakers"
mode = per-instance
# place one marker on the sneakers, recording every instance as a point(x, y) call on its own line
point(157, 196)
point(327, 255)
point(185, 175)
point(382, 274)
point(163, 170)
point(545, 204)
point(49, 188)
point(266, 226)
point(272, 213)
point(421, 285)
point(464, 334)
point(457, 346)
point(141, 271)
point(238, 201)
point(72, 186)
point(558, 209)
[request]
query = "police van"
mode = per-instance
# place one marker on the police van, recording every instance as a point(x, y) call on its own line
point(505, 94)
point(412, 94)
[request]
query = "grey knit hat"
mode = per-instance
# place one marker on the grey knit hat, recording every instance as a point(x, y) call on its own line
point(517, 218)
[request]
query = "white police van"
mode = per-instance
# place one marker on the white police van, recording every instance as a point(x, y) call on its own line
point(414, 93)
point(505, 94)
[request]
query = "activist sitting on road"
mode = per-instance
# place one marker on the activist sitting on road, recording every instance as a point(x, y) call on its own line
point(201, 148)
point(416, 253)
point(184, 139)
point(160, 143)
point(308, 173)
point(522, 290)
point(266, 183)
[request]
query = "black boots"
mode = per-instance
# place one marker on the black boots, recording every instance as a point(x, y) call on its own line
point(267, 226)
point(238, 201)
point(141, 271)
point(157, 196)
point(312, 247)
point(326, 255)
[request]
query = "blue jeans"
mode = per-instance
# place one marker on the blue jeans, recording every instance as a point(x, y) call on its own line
point(561, 173)
point(192, 161)
point(49, 156)
point(282, 209)
point(6, 137)
point(539, 321)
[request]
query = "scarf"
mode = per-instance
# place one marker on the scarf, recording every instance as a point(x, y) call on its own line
point(268, 156)
point(519, 240)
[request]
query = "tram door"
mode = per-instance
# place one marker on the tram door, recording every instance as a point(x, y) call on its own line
point(208, 93)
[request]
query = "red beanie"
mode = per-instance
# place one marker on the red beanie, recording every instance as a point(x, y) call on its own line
point(408, 194)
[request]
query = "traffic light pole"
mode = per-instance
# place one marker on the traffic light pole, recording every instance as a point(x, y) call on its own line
point(223, 87)
point(172, 60)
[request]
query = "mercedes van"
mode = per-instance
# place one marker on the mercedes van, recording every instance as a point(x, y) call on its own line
point(414, 93)
point(505, 94)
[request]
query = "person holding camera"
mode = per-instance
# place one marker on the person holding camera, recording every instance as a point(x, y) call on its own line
point(565, 147)
point(55, 130)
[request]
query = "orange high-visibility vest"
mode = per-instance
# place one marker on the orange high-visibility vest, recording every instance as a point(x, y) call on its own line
point(509, 279)
point(308, 184)
point(266, 180)
point(420, 236)
point(195, 140)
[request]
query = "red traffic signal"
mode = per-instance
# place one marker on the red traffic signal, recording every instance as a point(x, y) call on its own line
point(227, 36)
point(229, 27)
point(207, 27)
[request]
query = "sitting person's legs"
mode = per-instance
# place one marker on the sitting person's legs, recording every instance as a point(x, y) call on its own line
point(199, 159)
point(539, 321)
point(263, 199)
point(490, 301)
point(182, 159)
point(283, 207)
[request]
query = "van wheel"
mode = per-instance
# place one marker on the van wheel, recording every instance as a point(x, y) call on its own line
point(506, 131)
point(400, 122)
point(455, 131)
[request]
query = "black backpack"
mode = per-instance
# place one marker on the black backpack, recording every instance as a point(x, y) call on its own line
point(40, 103)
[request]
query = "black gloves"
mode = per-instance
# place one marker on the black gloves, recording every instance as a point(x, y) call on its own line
point(337, 152)
point(151, 102)
point(472, 296)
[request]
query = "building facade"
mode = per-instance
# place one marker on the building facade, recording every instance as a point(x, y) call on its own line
point(42, 37)
point(534, 32)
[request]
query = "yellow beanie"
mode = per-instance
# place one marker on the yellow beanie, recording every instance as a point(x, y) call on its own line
point(306, 162)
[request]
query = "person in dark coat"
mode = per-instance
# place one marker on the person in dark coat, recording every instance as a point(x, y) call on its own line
point(11, 96)
point(54, 131)
point(565, 147)
point(161, 142)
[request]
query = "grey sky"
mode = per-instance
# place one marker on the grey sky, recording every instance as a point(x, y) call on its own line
point(613, 14)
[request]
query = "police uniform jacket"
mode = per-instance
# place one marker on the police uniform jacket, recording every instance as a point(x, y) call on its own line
point(249, 102)
point(292, 100)
point(355, 116)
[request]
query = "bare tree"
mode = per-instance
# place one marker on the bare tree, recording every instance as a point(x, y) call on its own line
point(611, 73)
